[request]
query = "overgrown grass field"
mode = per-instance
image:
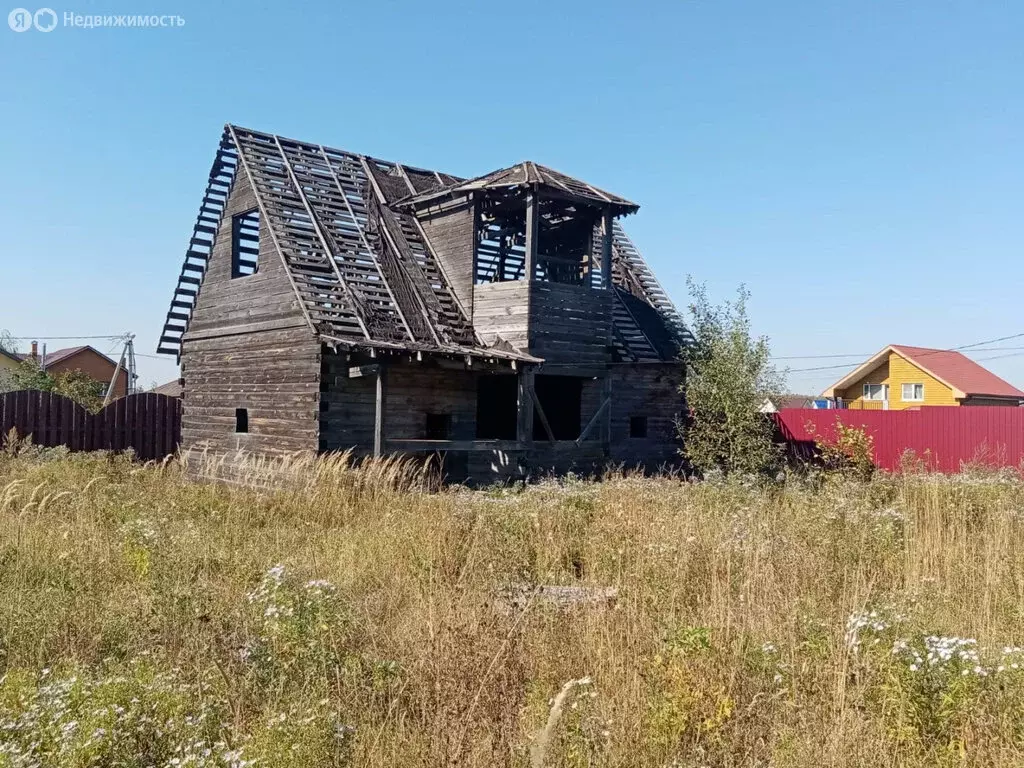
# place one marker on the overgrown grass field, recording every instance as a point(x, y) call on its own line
point(355, 618)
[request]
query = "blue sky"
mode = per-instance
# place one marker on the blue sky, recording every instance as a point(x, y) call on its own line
point(858, 164)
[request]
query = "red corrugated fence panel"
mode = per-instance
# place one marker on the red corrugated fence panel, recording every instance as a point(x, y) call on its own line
point(946, 438)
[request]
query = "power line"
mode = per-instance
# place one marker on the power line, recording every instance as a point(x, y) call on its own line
point(816, 357)
point(923, 354)
point(870, 354)
point(1000, 357)
point(65, 338)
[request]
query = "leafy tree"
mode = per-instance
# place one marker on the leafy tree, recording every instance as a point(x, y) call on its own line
point(729, 375)
point(6, 345)
point(81, 388)
point(73, 384)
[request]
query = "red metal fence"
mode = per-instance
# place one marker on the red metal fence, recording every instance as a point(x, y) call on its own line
point(944, 438)
point(148, 423)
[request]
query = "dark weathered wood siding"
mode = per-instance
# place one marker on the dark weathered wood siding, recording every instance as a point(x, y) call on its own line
point(450, 233)
point(248, 346)
point(569, 323)
point(650, 390)
point(411, 391)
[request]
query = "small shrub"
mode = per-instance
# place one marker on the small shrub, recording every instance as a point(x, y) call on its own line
point(851, 451)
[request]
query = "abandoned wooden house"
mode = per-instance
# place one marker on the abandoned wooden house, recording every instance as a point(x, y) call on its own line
point(332, 301)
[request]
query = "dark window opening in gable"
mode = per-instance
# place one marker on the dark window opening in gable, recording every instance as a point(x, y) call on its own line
point(245, 243)
point(439, 426)
point(497, 407)
point(241, 420)
point(561, 397)
point(638, 426)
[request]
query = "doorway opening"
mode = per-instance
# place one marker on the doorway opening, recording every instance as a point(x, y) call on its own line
point(561, 397)
point(497, 408)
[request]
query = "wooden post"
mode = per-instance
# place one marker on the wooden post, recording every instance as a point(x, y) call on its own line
point(606, 249)
point(378, 422)
point(532, 230)
point(524, 426)
point(502, 258)
point(606, 437)
point(475, 210)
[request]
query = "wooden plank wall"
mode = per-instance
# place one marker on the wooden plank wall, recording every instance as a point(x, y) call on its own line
point(570, 323)
point(450, 233)
point(412, 391)
point(147, 423)
point(502, 309)
point(249, 346)
point(227, 304)
point(650, 390)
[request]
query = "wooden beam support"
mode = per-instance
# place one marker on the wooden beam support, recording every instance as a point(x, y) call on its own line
point(577, 371)
point(524, 426)
point(413, 445)
point(543, 416)
point(359, 371)
point(606, 249)
point(532, 230)
point(594, 419)
point(607, 431)
point(378, 421)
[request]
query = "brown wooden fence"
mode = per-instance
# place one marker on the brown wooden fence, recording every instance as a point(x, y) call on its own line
point(148, 423)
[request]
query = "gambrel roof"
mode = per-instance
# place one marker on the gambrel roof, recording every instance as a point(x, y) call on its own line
point(361, 264)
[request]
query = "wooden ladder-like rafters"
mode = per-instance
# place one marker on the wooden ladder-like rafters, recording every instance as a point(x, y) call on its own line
point(629, 258)
point(200, 248)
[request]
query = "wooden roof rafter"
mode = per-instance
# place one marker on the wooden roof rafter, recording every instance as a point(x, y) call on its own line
point(430, 248)
point(330, 248)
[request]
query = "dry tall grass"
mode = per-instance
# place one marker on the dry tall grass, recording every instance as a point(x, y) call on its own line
point(352, 617)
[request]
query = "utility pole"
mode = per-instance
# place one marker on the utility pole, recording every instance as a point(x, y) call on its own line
point(127, 355)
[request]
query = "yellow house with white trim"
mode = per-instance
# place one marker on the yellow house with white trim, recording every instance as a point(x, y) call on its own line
point(8, 363)
point(900, 377)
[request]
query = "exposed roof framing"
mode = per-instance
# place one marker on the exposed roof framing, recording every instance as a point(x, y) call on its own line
point(528, 174)
point(633, 275)
point(200, 246)
point(361, 264)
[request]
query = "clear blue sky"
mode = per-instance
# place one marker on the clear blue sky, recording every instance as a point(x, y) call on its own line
point(858, 164)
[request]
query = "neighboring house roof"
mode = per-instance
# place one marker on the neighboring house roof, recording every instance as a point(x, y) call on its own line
point(171, 388)
point(13, 356)
point(779, 402)
point(363, 269)
point(793, 401)
point(954, 369)
point(52, 358)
